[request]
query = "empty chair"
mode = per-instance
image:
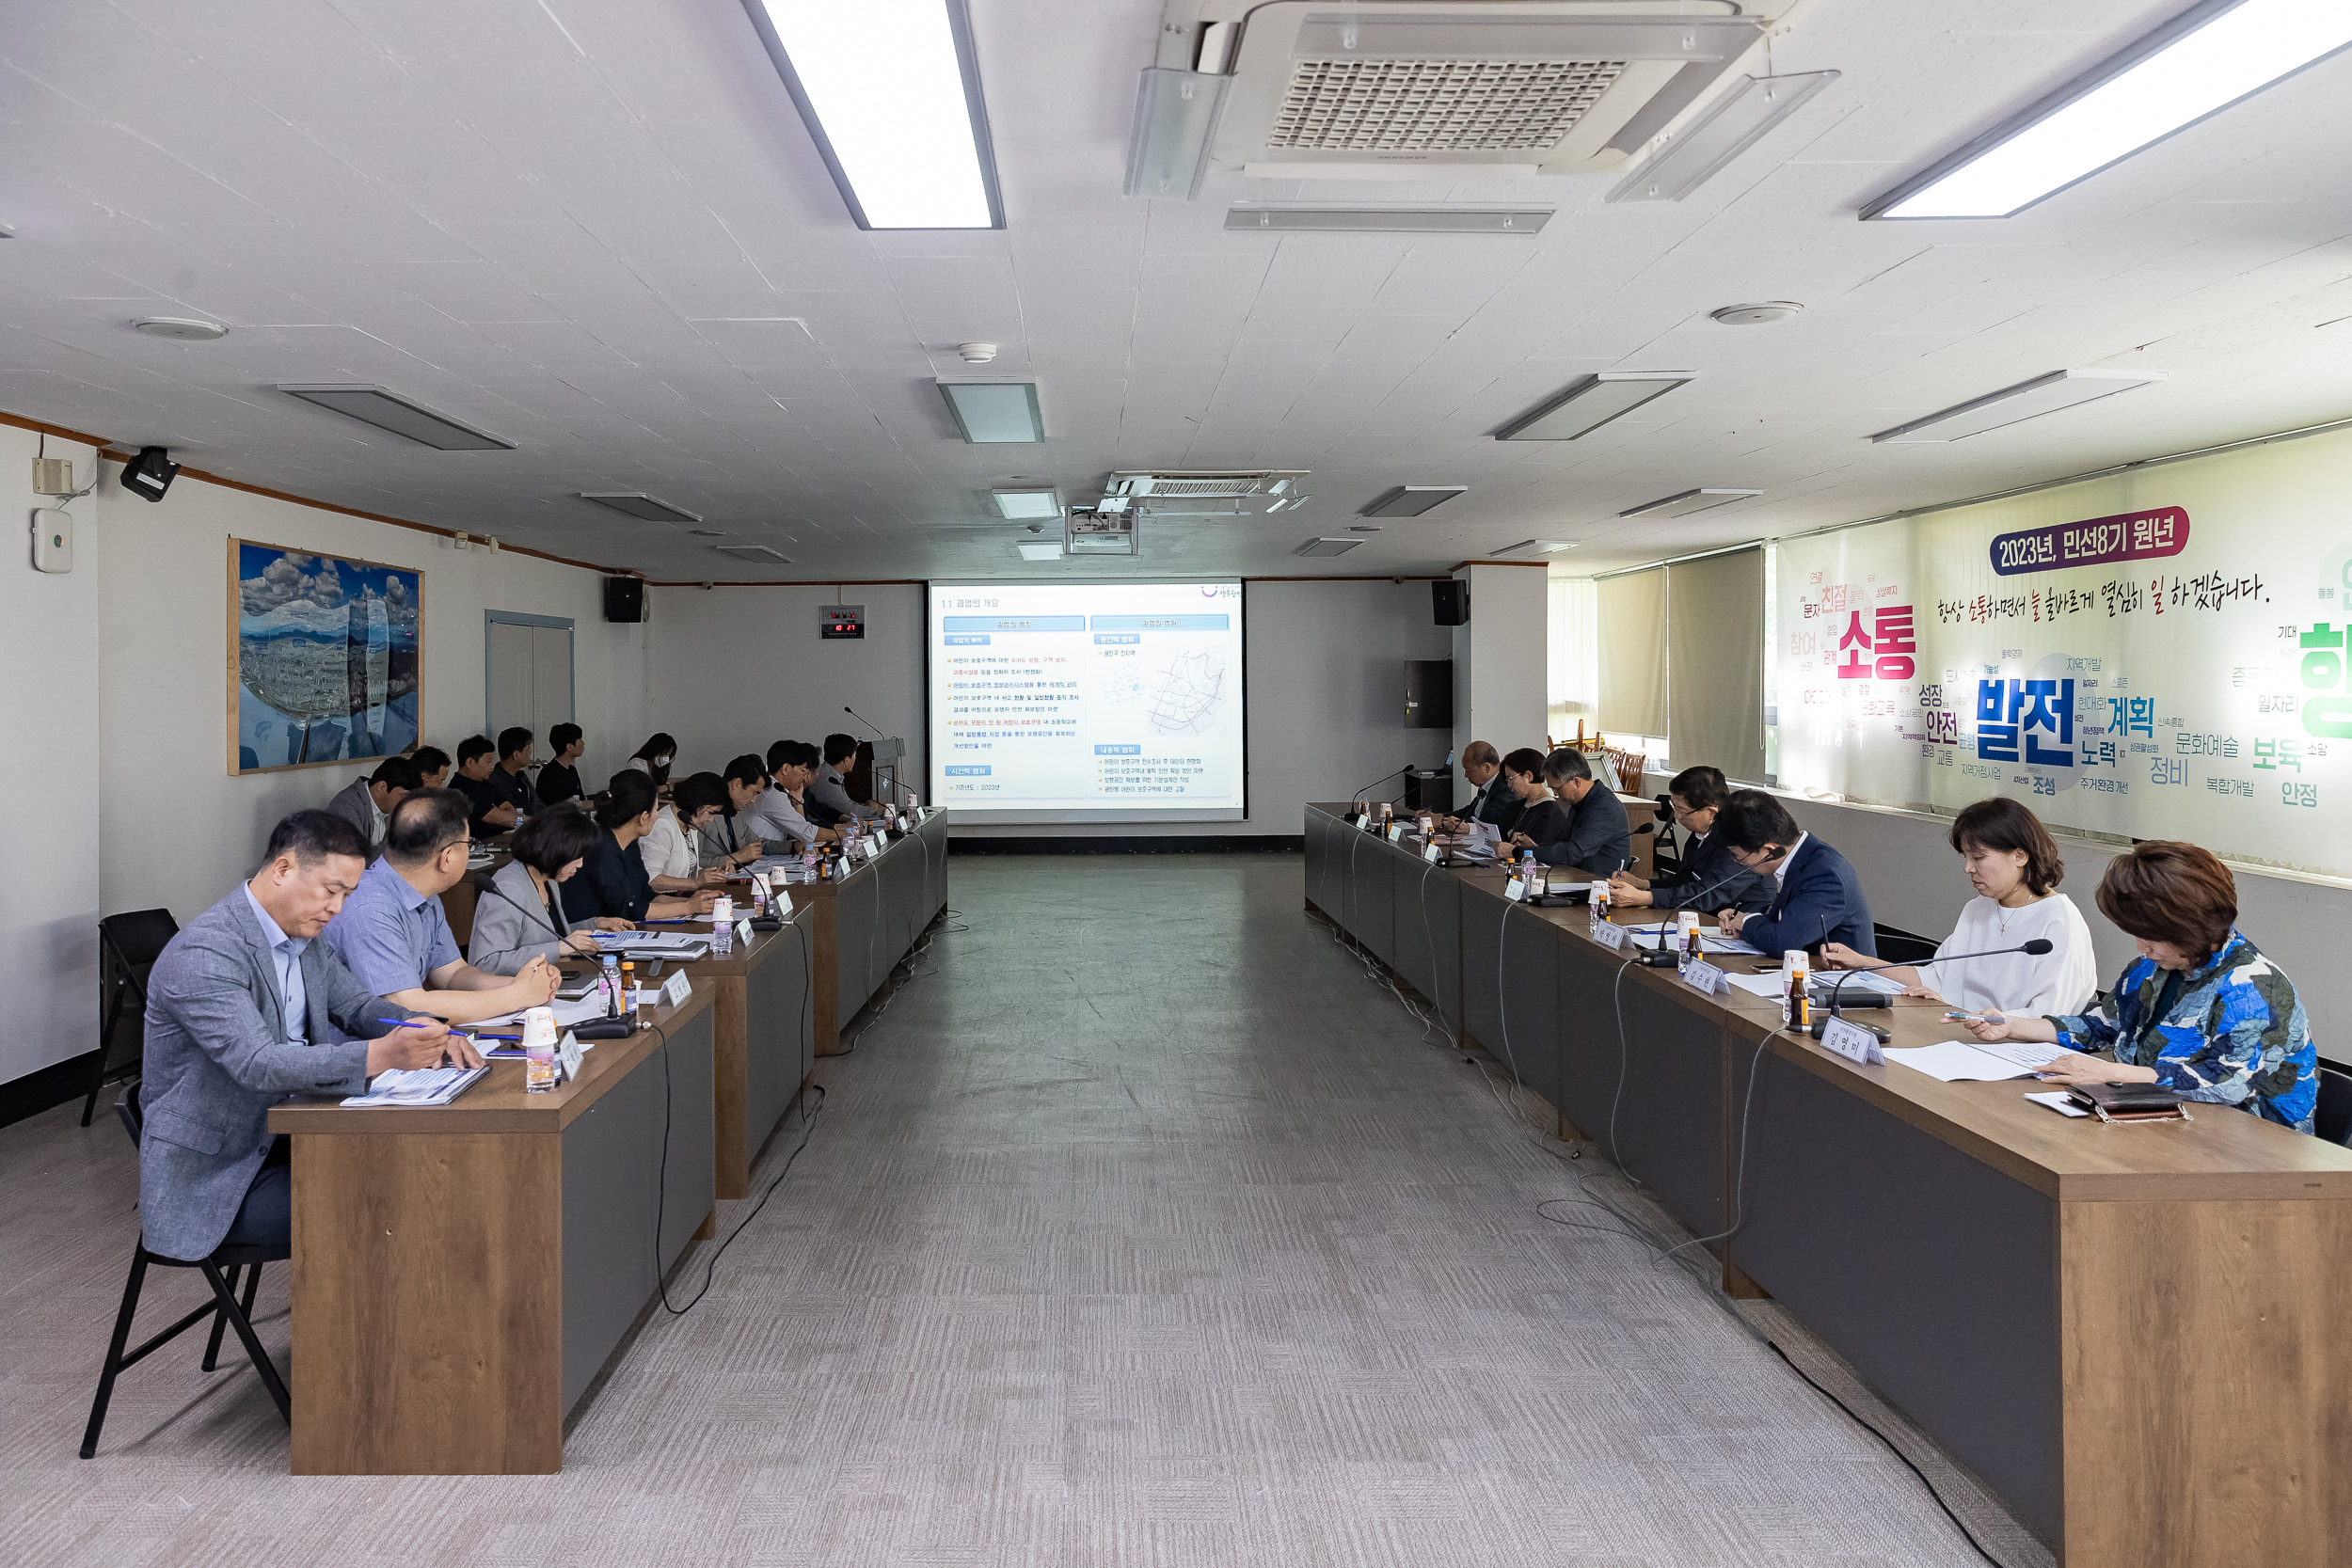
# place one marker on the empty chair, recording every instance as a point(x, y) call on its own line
point(128, 946)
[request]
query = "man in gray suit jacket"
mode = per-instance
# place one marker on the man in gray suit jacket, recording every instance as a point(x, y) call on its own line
point(367, 804)
point(235, 1008)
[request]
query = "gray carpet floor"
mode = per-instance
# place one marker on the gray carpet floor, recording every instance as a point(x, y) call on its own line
point(1142, 1228)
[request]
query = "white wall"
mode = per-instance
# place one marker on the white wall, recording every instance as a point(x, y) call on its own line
point(180, 831)
point(1915, 883)
point(734, 669)
point(1501, 659)
point(49, 649)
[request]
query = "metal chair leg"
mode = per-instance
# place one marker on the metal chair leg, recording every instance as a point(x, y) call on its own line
point(114, 1352)
point(220, 1324)
point(262, 1363)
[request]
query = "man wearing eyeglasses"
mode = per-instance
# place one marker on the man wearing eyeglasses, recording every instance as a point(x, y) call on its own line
point(392, 935)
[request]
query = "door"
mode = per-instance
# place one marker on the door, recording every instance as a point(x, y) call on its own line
point(526, 673)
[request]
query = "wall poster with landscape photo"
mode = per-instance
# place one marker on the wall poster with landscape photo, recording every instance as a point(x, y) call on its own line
point(322, 659)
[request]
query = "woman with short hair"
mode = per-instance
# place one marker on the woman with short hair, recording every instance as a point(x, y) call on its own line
point(2200, 1011)
point(519, 916)
point(673, 851)
point(2014, 865)
point(613, 880)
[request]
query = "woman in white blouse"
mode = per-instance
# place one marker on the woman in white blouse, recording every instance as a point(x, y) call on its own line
point(2013, 864)
point(670, 849)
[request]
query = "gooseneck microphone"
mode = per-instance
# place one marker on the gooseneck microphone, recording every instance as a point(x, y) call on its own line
point(863, 719)
point(1382, 778)
point(2033, 949)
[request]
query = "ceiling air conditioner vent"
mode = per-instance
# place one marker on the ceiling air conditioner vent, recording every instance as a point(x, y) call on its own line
point(1306, 89)
point(1436, 105)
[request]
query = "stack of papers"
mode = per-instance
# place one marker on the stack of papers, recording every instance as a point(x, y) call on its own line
point(568, 1015)
point(432, 1086)
point(1766, 986)
point(1974, 1061)
point(1856, 980)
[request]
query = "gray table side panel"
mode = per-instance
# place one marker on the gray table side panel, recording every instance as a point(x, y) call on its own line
point(615, 1186)
point(1318, 858)
point(856, 908)
point(1481, 928)
point(1527, 1028)
point(1934, 1275)
point(777, 1009)
point(1427, 916)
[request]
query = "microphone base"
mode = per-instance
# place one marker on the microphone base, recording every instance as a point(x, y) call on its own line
point(1820, 1027)
point(1865, 1001)
point(1650, 958)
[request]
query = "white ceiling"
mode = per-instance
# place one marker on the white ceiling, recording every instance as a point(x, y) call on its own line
point(598, 229)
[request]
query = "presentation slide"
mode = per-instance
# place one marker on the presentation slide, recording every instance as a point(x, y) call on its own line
point(1104, 702)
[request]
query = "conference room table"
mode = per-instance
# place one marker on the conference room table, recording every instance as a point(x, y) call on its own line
point(2133, 1333)
point(867, 919)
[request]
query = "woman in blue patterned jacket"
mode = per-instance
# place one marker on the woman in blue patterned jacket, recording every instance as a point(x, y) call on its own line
point(2200, 1011)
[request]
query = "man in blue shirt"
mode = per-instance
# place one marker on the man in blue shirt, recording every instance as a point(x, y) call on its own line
point(395, 938)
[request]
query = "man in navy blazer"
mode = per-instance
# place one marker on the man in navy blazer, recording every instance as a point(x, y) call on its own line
point(237, 1009)
point(1819, 899)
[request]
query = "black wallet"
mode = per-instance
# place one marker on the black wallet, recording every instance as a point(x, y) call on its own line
point(2128, 1102)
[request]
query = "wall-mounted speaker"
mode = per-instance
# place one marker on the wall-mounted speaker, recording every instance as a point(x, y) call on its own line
point(625, 598)
point(1452, 599)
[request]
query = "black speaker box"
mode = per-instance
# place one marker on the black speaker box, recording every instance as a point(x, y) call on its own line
point(623, 598)
point(1452, 599)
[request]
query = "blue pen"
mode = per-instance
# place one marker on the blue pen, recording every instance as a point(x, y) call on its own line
point(413, 1023)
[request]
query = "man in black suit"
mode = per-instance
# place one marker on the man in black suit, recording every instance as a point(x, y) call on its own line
point(1493, 805)
point(1590, 832)
point(1710, 880)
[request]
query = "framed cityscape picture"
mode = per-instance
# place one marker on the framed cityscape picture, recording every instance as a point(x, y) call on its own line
point(323, 662)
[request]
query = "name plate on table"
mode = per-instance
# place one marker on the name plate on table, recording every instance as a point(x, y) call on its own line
point(1854, 1043)
point(1515, 890)
point(744, 931)
point(1613, 936)
point(1432, 854)
point(567, 1053)
point(779, 902)
point(676, 989)
point(1705, 977)
point(1396, 832)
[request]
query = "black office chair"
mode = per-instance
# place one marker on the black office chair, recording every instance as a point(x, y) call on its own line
point(221, 1272)
point(2333, 1119)
point(128, 946)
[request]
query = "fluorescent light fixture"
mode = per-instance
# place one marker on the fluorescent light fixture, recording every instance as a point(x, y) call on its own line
point(1176, 111)
point(1592, 403)
point(1026, 504)
point(991, 411)
point(1533, 546)
point(636, 503)
point(1100, 534)
point(1682, 161)
point(1411, 500)
point(1249, 218)
point(1682, 503)
point(752, 552)
point(1327, 546)
point(1049, 550)
point(388, 410)
point(2210, 57)
point(2027, 400)
point(891, 92)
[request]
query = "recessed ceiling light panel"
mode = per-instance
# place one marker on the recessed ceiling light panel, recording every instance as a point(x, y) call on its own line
point(180, 329)
point(1023, 503)
point(2027, 400)
point(1533, 546)
point(753, 552)
point(1411, 500)
point(1592, 403)
point(890, 90)
point(987, 412)
point(1682, 503)
point(2210, 57)
point(1047, 551)
point(388, 410)
point(1339, 545)
point(636, 503)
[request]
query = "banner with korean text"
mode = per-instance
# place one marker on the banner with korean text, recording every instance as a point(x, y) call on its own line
point(2160, 655)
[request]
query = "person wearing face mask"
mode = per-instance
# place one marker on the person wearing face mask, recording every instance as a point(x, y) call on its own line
point(2013, 864)
point(2200, 1011)
point(653, 758)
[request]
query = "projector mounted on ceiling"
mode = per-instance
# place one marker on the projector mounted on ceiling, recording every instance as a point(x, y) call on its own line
point(1422, 89)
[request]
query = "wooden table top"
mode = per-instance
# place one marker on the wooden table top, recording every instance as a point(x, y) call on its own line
point(499, 1102)
point(2222, 1152)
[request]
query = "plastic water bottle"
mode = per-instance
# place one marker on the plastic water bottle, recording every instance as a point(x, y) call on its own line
point(609, 986)
point(722, 927)
point(1596, 903)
